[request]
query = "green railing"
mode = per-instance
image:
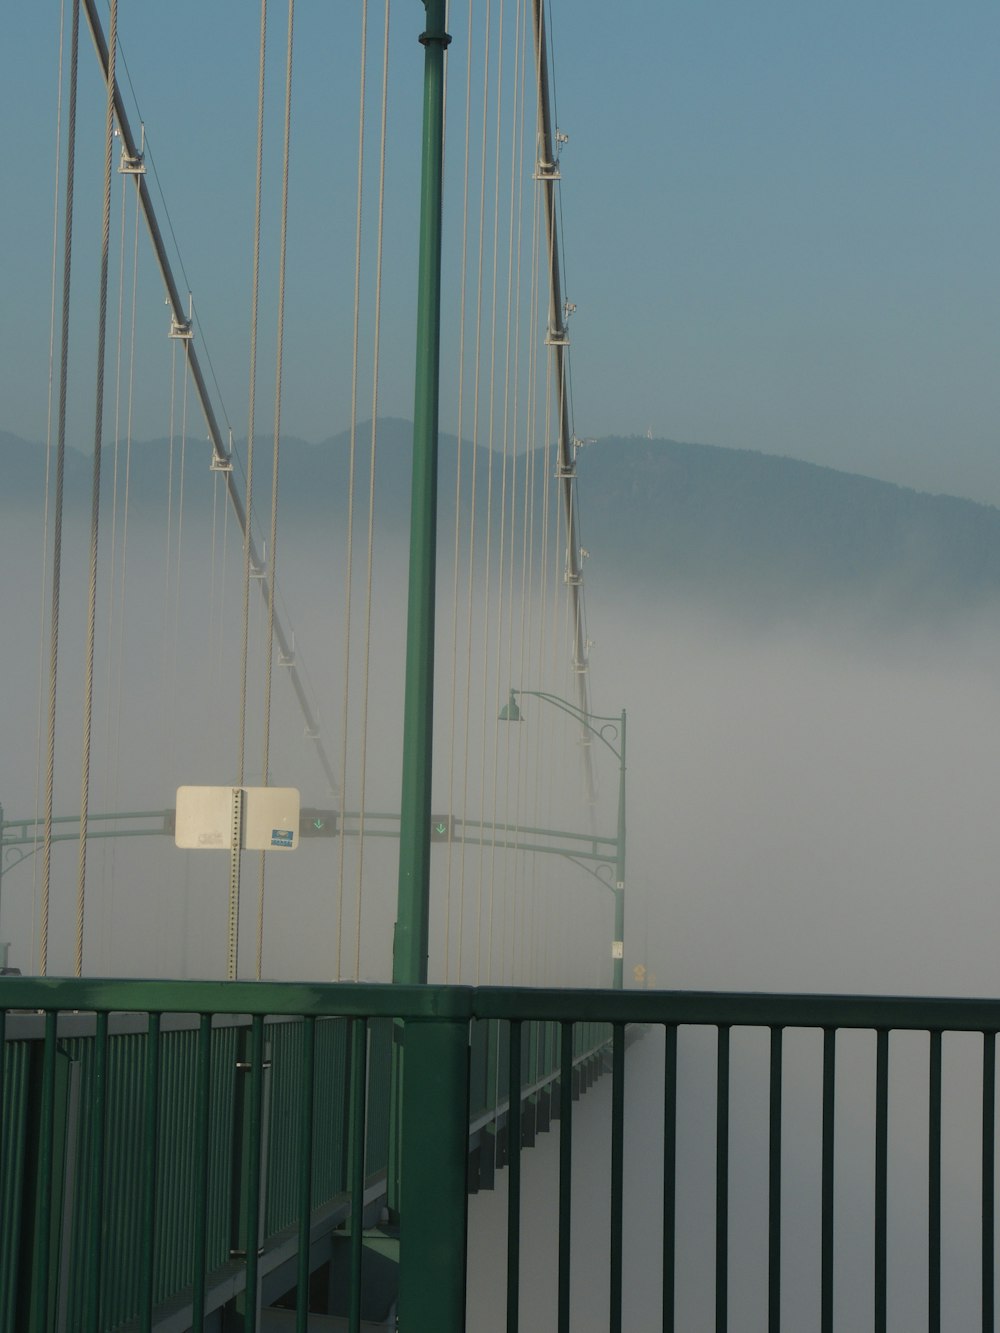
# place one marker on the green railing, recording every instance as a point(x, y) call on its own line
point(147, 1130)
point(166, 1145)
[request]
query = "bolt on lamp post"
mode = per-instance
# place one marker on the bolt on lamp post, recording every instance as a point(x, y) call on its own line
point(611, 732)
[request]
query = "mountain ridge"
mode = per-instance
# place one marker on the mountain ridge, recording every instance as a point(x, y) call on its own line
point(736, 526)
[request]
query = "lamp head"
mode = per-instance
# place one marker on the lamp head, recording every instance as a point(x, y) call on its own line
point(510, 711)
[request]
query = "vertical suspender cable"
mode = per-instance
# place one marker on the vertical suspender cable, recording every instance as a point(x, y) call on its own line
point(489, 503)
point(349, 556)
point(124, 543)
point(43, 946)
point(95, 504)
point(376, 338)
point(48, 434)
point(171, 618)
point(232, 951)
point(517, 151)
point(252, 401)
point(458, 544)
point(511, 413)
point(470, 586)
point(269, 638)
point(508, 467)
point(109, 710)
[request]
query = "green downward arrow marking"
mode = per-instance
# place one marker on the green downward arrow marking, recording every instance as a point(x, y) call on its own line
point(440, 828)
point(317, 823)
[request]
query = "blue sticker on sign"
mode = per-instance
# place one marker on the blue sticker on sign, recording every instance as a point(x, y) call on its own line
point(281, 837)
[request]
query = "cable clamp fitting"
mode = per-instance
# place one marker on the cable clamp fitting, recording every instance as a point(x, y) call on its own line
point(443, 38)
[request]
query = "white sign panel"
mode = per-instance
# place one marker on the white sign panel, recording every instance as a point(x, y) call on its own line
point(205, 818)
point(270, 819)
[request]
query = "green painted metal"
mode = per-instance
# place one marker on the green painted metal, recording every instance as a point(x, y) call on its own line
point(95, 1201)
point(435, 1139)
point(989, 1178)
point(826, 1187)
point(514, 1182)
point(304, 1173)
point(356, 1152)
point(148, 1169)
point(200, 1160)
point(774, 1183)
point(478, 1055)
point(166, 1101)
point(42, 1182)
point(934, 1187)
point(669, 1175)
point(565, 1176)
point(409, 961)
point(617, 1175)
point(722, 1180)
point(882, 1178)
point(15, 1059)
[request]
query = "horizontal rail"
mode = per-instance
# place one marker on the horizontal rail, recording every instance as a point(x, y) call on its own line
point(352, 999)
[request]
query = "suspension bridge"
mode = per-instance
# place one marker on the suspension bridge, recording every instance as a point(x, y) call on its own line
point(420, 974)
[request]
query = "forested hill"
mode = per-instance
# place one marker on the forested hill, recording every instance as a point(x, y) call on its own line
point(739, 525)
point(748, 530)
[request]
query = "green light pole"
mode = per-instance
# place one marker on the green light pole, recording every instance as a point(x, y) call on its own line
point(409, 946)
point(611, 732)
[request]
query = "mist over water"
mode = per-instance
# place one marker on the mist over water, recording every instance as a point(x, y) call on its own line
point(810, 807)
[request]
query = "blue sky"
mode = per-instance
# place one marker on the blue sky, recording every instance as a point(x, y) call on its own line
point(781, 219)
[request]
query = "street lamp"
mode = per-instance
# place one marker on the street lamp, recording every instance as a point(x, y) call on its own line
point(611, 732)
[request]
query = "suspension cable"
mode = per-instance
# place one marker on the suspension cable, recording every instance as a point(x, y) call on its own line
point(377, 335)
point(181, 313)
point(48, 454)
point(349, 555)
point(269, 638)
point(458, 531)
point(43, 946)
point(95, 509)
point(232, 948)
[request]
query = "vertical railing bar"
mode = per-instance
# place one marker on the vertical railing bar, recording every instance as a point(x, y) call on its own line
point(203, 1113)
point(617, 1171)
point(722, 1181)
point(359, 1087)
point(989, 1168)
point(881, 1177)
point(669, 1173)
point(774, 1185)
point(826, 1198)
point(151, 1089)
point(565, 1171)
point(307, 1093)
point(254, 1126)
point(95, 1200)
point(43, 1216)
point(3, 1049)
point(514, 1177)
point(934, 1187)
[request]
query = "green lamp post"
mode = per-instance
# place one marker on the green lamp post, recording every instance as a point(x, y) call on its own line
point(409, 953)
point(611, 732)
